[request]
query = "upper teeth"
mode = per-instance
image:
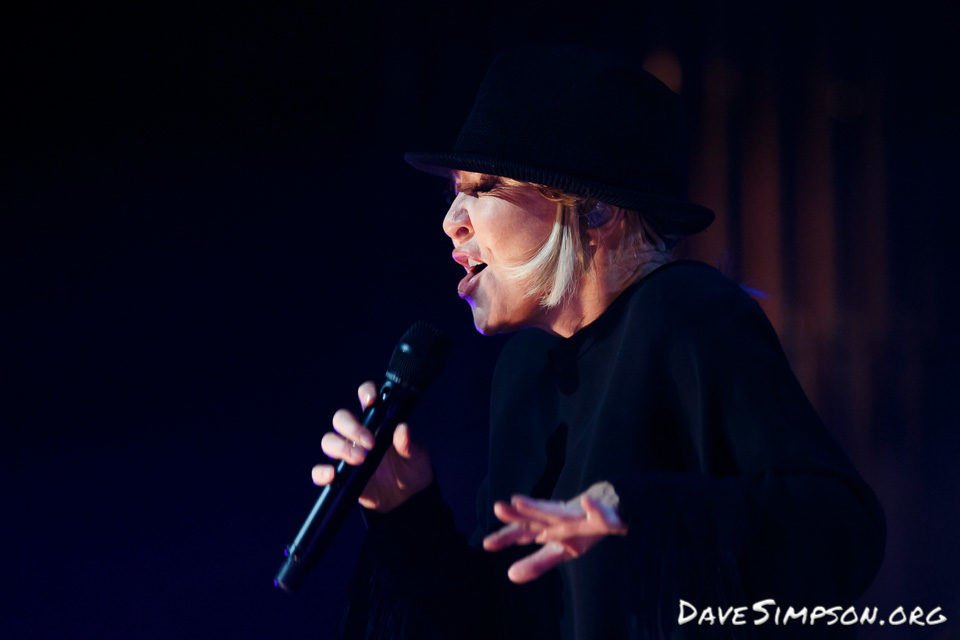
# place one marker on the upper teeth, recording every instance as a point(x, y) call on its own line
point(472, 263)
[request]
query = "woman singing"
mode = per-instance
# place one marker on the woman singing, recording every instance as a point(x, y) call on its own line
point(649, 442)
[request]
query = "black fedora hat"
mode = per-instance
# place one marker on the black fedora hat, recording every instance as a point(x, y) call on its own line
point(582, 121)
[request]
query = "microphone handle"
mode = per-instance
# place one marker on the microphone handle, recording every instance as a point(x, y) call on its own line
point(392, 406)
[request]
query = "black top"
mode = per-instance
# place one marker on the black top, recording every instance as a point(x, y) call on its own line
point(733, 491)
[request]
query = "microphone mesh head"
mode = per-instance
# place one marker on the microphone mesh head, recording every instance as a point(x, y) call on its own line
point(419, 357)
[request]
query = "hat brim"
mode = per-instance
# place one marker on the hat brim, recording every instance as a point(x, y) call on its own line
point(669, 214)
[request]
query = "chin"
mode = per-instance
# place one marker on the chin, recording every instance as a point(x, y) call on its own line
point(481, 325)
point(487, 326)
point(481, 319)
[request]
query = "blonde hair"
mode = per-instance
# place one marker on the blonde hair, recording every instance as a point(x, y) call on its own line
point(554, 270)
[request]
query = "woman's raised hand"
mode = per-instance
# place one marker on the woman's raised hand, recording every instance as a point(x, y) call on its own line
point(566, 530)
point(404, 470)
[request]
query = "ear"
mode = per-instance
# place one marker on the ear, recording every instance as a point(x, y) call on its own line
point(606, 227)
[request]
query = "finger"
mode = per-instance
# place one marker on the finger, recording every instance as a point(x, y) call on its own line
point(561, 532)
point(368, 503)
point(367, 392)
point(350, 428)
point(601, 517)
point(506, 513)
point(339, 448)
point(574, 545)
point(546, 510)
point(322, 474)
point(593, 524)
point(403, 443)
point(536, 564)
point(511, 534)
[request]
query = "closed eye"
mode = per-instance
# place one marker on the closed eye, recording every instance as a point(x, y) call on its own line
point(485, 185)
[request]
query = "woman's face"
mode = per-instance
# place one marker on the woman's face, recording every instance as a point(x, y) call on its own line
point(498, 226)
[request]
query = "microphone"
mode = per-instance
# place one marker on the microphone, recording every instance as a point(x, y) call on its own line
point(416, 362)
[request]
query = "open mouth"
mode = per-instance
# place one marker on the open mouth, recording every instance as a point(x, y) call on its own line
point(475, 266)
point(469, 282)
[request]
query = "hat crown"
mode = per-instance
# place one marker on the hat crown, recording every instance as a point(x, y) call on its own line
point(576, 110)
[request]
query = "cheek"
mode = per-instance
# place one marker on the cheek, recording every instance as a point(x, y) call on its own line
point(515, 241)
point(509, 236)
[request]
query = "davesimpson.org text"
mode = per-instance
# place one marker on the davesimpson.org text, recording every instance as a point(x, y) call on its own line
point(768, 612)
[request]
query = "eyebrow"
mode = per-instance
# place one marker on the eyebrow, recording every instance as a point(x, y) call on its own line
point(484, 180)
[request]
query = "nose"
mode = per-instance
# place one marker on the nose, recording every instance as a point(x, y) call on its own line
point(456, 223)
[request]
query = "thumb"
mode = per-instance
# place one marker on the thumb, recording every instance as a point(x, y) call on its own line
point(600, 514)
point(402, 441)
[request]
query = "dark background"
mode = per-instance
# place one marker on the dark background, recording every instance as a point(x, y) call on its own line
point(209, 239)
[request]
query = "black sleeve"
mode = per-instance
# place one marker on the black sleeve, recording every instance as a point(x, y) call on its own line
point(776, 510)
point(417, 578)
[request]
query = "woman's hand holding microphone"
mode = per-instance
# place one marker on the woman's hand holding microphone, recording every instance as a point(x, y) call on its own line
point(404, 470)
